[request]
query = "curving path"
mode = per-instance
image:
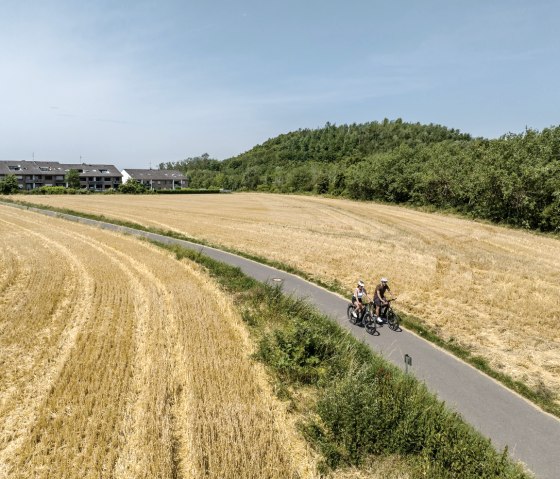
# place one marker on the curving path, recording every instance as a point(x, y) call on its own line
point(531, 435)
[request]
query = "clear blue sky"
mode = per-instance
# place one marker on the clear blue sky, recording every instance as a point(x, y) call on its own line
point(131, 83)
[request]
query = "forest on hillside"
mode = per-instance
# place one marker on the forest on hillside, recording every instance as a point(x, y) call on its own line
point(514, 179)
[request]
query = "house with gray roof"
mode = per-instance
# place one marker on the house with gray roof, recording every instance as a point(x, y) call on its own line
point(156, 179)
point(34, 174)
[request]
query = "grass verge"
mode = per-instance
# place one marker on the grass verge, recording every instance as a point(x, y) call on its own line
point(352, 404)
point(542, 397)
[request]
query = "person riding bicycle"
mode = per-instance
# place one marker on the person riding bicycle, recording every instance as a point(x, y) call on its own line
point(379, 297)
point(357, 298)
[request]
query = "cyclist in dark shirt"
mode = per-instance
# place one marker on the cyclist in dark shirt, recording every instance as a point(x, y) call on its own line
point(379, 297)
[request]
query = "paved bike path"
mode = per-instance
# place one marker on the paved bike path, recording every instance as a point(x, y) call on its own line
point(531, 435)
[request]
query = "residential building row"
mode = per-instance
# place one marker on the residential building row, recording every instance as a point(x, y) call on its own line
point(35, 174)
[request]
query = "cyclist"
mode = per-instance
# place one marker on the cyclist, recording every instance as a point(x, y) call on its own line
point(357, 298)
point(379, 297)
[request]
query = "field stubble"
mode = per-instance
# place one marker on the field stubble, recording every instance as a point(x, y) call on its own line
point(119, 361)
point(493, 290)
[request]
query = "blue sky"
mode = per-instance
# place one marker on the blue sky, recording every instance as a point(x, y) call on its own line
point(131, 83)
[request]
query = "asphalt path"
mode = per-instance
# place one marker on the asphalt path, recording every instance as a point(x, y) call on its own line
point(532, 436)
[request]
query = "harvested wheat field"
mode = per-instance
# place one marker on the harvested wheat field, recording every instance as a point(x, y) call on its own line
point(494, 290)
point(118, 361)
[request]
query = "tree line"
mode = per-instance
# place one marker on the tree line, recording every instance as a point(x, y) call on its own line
point(514, 179)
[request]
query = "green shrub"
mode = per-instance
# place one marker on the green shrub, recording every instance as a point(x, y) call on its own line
point(57, 190)
point(298, 353)
point(132, 187)
point(379, 410)
point(72, 178)
point(365, 406)
point(9, 185)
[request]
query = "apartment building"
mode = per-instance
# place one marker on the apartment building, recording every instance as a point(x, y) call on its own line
point(34, 174)
point(156, 179)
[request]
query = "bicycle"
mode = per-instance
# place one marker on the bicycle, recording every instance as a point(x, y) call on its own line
point(365, 318)
point(388, 315)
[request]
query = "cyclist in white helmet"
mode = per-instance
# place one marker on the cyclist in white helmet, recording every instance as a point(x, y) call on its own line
point(379, 296)
point(357, 298)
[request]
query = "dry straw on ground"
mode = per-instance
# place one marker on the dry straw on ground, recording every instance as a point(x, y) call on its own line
point(495, 290)
point(380, 467)
point(120, 362)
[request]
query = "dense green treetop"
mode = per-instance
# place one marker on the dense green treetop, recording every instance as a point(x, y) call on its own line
point(72, 178)
point(8, 185)
point(345, 142)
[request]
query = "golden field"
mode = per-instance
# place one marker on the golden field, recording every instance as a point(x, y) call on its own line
point(118, 361)
point(494, 290)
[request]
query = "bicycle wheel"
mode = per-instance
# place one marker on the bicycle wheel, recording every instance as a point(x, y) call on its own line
point(369, 323)
point(351, 309)
point(393, 320)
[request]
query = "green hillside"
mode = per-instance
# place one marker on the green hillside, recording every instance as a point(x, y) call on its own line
point(344, 143)
point(514, 179)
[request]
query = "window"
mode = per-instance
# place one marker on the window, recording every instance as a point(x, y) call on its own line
point(48, 177)
point(14, 167)
point(44, 168)
point(103, 171)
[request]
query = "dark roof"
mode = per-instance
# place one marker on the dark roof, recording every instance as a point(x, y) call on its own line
point(56, 168)
point(94, 170)
point(148, 174)
point(29, 167)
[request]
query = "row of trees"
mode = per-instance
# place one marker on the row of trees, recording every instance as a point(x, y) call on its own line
point(514, 179)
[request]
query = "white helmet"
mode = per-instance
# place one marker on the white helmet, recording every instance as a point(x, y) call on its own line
point(384, 280)
point(361, 283)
